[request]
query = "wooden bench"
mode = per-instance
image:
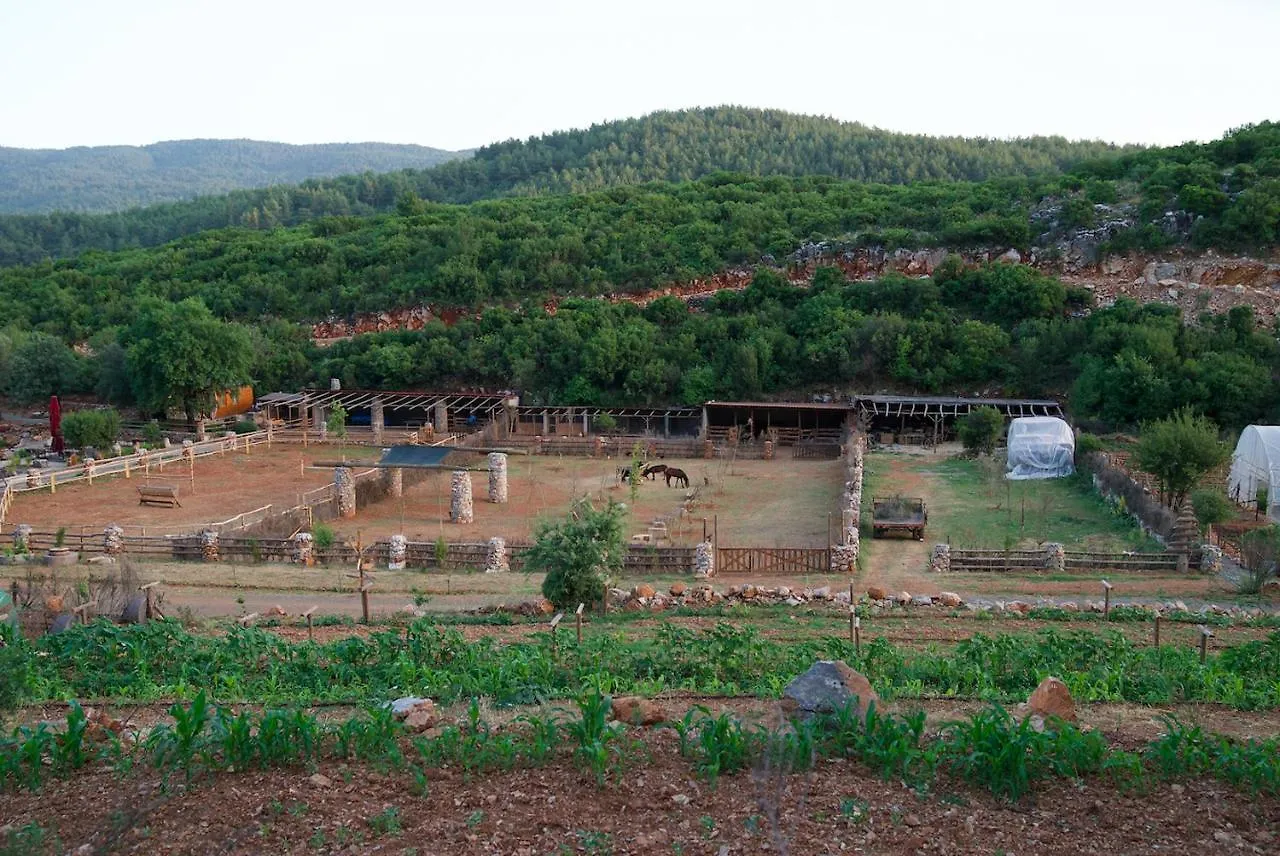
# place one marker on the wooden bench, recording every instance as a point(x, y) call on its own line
point(159, 494)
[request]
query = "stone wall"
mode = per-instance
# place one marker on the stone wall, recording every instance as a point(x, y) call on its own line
point(844, 553)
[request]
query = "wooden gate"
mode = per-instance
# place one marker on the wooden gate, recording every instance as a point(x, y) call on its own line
point(773, 560)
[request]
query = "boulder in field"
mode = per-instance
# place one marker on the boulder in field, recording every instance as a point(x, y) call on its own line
point(949, 599)
point(829, 685)
point(644, 590)
point(877, 593)
point(1052, 698)
point(678, 589)
point(635, 710)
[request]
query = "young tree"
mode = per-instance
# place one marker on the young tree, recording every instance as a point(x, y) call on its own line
point(578, 555)
point(1178, 451)
point(1211, 507)
point(980, 430)
point(180, 355)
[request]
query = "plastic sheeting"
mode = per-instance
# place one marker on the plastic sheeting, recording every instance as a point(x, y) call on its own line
point(1040, 447)
point(1256, 464)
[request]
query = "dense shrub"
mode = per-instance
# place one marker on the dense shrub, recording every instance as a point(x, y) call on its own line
point(97, 428)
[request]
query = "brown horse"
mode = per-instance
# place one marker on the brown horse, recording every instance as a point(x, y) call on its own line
point(681, 478)
point(656, 470)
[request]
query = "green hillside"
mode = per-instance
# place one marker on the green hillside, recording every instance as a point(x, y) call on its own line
point(115, 178)
point(669, 146)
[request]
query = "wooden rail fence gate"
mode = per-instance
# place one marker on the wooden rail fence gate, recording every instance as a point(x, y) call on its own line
point(773, 560)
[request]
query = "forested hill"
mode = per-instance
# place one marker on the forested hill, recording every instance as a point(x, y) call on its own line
point(115, 178)
point(669, 146)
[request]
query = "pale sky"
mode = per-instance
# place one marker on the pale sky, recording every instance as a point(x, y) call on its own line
point(461, 74)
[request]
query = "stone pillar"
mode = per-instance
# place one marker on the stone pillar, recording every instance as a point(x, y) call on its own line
point(1210, 559)
point(377, 420)
point(317, 417)
point(495, 558)
point(113, 540)
point(704, 560)
point(497, 477)
point(597, 447)
point(546, 423)
point(844, 558)
point(209, 545)
point(442, 418)
point(586, 429)
point(397, 553)
point(33, 478)
point(460, 507)
point(940, 562)
point(394, 477)
point(22, 538)
point(768, 450)
point(201, 434)
point(1055, 558)
point(304, 549)
point(708, 449)
point(344, 485)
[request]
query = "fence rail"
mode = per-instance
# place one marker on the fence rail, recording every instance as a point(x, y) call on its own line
point(1036, 561)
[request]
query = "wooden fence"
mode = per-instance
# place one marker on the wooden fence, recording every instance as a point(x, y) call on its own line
point(639, 559)
point(1034, 562)
point(773, 560)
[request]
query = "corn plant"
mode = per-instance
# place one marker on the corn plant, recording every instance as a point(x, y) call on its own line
point(595, 735)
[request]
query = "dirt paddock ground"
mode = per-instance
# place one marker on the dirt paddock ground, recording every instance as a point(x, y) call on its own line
point(758, 503)
point(225, 485)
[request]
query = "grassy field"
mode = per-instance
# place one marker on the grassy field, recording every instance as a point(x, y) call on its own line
point(972, 505)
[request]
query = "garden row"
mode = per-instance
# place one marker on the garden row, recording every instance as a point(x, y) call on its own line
point(989, 748)
point(161, 660)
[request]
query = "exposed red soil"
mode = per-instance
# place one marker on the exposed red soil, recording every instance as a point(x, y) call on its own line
point(656, 806)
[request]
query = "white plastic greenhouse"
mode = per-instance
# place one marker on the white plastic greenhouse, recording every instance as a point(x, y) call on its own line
point(1256, 464)
point(1040, 447)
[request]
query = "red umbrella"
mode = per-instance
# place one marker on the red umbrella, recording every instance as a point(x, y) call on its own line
point(55, 425)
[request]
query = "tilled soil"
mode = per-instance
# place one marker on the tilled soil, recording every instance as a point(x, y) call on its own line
point(655, 806)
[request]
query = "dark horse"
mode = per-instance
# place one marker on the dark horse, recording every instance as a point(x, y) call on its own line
point(624, 475)
point(681, 478)
point(653, 471)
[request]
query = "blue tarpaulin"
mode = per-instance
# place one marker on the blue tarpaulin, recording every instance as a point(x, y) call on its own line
point(415, 456)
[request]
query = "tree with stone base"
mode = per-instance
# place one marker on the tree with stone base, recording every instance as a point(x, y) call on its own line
point(579, 555)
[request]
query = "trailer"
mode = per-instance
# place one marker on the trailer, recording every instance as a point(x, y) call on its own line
point(898, 514)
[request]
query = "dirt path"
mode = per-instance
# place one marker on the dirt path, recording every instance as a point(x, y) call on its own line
point(898, 563)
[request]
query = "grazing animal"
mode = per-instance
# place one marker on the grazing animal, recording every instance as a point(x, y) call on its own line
point(624, 475)
point(681, 478)
point(654, 471)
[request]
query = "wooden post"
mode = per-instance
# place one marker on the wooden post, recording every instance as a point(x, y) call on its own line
point(555, 622)
point(126, 468)
point(1205, 633)
point(1157, 630)
point(311, 634)
point(53, 478)
point(1106, 602)
point(151, 606)
point(857, 636)
point(364, 601)
point(192, 462)
point(578, 615)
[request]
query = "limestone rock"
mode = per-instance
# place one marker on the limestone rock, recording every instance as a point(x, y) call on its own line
point(319, 780)
point(877, 593)
point(949, 599)
point(421, 719)
point(644, 590)
point(678, 589)
point(922, 600)
point(828, 685)
point(903, 597)
point(635, 710)
point(1052, 698)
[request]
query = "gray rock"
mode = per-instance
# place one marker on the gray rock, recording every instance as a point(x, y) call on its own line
point(135, 612)
point(922, 600)
point(62, 622)
point(829, 685)
point(404, 706)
